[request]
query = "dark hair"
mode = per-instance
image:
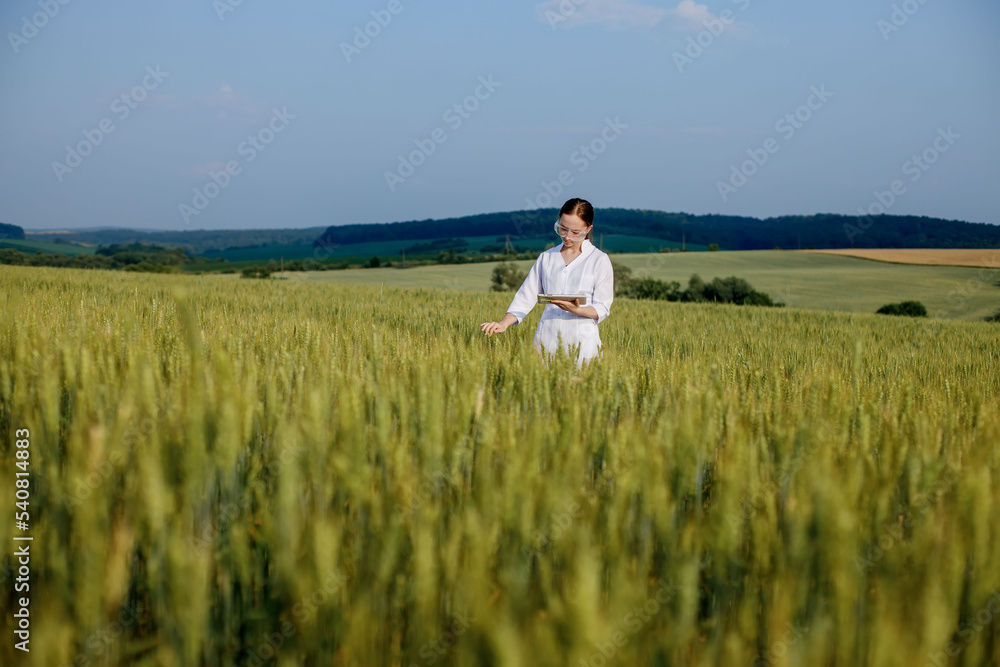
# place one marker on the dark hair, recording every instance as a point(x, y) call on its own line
point(582, 209)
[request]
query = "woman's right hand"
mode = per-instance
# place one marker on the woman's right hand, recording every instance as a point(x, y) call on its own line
point(490, 328)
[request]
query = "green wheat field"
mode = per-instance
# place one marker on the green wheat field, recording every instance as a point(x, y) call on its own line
point(243, 472)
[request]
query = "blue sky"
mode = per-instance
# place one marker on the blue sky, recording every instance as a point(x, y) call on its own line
point(219, 114)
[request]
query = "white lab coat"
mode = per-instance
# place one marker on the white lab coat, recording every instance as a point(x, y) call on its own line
point(591, 274)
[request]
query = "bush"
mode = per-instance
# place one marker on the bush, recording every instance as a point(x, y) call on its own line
point(152, 268)
point(735, 290)
point(622, 277)
point(11, 256)
point(756, 298)
point(907, 308)
point(695, 291)
point(373, 262)
point(506, 277)
point(995, 317)
point(451, 257)
point(713, 247)
point(721, 290)
point(726, 290)
point(650, 288)
point(256, 272)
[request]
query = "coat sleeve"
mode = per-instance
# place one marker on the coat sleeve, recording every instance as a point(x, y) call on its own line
point(604, 289)
point(527, 296)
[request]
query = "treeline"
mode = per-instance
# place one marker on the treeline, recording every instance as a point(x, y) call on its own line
point(159, 259)
point(130, 257)
point(195, 241)
point(264, 269)
point(450, 256)
point(729, 232)
point(823, 230)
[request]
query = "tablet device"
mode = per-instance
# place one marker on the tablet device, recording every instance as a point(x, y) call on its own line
point(546, 298)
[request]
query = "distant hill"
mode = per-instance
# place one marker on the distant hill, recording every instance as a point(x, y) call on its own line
point(10, 231)
point(196, 241)
point(533, 230)
point(825, 230)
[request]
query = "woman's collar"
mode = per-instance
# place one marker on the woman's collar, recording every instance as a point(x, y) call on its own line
point(585, 246)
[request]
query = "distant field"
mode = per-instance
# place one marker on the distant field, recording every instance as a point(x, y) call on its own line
point(800, 280)
point(31, 247)
point(927, 256)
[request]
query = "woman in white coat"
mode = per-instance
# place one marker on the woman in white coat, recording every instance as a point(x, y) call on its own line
point(574, 267)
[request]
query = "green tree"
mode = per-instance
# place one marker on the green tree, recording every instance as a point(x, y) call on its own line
point(622, 277)
point(506, 277)
point(695, 290)
point(904, 308)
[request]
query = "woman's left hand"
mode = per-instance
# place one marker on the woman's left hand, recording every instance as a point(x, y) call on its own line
point(570, 306)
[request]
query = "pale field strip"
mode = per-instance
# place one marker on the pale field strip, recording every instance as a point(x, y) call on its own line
point(985, 257)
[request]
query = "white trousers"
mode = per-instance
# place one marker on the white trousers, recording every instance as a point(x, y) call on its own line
point(558, 325)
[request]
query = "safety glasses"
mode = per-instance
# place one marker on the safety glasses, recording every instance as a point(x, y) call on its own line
point(565, 233)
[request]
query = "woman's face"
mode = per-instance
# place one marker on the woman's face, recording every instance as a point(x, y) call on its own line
point(575, 229)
